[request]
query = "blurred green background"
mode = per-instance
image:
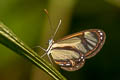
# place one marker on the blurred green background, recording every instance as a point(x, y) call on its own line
point(28, 21)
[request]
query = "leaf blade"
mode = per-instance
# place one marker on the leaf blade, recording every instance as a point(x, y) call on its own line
point(10, 40)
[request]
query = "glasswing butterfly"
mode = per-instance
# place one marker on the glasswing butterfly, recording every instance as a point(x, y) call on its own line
point(71, 51)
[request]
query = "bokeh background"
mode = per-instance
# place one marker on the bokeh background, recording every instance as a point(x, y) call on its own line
point(28, 21)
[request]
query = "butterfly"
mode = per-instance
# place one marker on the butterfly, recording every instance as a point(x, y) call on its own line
point(71, 51)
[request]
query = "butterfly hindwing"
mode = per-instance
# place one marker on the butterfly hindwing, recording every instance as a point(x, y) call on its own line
point(69, 60)
point(66, 55)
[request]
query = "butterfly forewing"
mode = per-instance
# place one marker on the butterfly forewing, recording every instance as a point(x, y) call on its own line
point(71, 51)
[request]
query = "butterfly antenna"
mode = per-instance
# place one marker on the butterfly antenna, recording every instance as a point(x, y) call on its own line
point(56, 29)
point(45, 10)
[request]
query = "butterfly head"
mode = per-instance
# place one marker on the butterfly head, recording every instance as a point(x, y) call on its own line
point(50, 41)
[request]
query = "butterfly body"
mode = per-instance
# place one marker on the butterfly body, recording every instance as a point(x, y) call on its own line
point(71, 51)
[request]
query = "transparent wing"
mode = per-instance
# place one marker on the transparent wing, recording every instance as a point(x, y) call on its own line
point(87, 42)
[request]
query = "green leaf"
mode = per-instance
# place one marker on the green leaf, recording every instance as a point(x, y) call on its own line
point(9, 39)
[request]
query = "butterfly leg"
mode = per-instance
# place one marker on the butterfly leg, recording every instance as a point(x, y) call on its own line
point(41, 48)
point(50, 59)
point(43, 55)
